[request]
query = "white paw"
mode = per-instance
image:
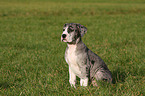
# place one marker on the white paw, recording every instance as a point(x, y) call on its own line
point(72, 83)
point(73, 86)
point(84, 82)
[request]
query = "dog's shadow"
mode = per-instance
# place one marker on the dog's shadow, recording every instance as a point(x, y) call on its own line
point(4, 85)
point(118, 76)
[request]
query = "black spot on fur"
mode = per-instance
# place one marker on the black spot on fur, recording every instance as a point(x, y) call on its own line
point(86, 50)
point(92, 62)
point(88, 72)
point(70, 29)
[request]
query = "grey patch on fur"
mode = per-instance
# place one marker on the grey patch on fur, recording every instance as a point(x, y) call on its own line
point(96, 67)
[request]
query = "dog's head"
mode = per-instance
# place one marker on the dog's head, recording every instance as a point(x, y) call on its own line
point(72, 31)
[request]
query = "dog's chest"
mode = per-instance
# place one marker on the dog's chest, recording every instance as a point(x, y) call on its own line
point(72, 60)
point(71, 56)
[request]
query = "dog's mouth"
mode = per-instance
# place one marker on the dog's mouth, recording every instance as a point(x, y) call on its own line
point(64, 40)
point(67, 41)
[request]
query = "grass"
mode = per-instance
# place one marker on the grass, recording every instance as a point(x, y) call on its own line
point(32, 55)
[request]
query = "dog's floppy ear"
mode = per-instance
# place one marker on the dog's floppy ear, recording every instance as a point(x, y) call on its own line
point(82, 29)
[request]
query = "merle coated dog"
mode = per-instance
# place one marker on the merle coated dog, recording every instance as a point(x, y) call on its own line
point(82, 62)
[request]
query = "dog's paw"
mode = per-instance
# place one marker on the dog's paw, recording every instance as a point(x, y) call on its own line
point(73, 86)
point(84, 82)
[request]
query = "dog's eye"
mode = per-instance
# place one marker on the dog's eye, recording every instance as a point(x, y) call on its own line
point(63, 29)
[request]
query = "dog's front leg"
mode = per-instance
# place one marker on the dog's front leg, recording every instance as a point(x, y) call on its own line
point(84, 81)
point(72, 78)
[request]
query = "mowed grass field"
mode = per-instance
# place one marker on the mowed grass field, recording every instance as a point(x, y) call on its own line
point(32, 56)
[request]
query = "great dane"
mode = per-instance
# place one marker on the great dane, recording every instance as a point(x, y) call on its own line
point(82, 62)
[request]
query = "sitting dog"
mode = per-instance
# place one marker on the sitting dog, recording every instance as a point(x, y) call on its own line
point(82, 62)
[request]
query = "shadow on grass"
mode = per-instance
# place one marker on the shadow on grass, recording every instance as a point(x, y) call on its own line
point(4, 85)
point(118, 76)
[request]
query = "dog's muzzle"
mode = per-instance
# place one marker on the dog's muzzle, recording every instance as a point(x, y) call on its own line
point(63, 37)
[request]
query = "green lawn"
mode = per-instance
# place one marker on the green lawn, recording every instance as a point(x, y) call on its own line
point(32, 54)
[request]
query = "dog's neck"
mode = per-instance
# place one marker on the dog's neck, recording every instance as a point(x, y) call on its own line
point(74, 43)
point(78, 44)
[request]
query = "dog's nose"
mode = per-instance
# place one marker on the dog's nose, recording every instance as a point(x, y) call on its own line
point(63, 35)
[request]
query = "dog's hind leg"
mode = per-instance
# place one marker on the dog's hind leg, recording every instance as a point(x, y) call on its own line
point(103, 75)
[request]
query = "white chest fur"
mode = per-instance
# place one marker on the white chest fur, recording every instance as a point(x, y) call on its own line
point(72, 60)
